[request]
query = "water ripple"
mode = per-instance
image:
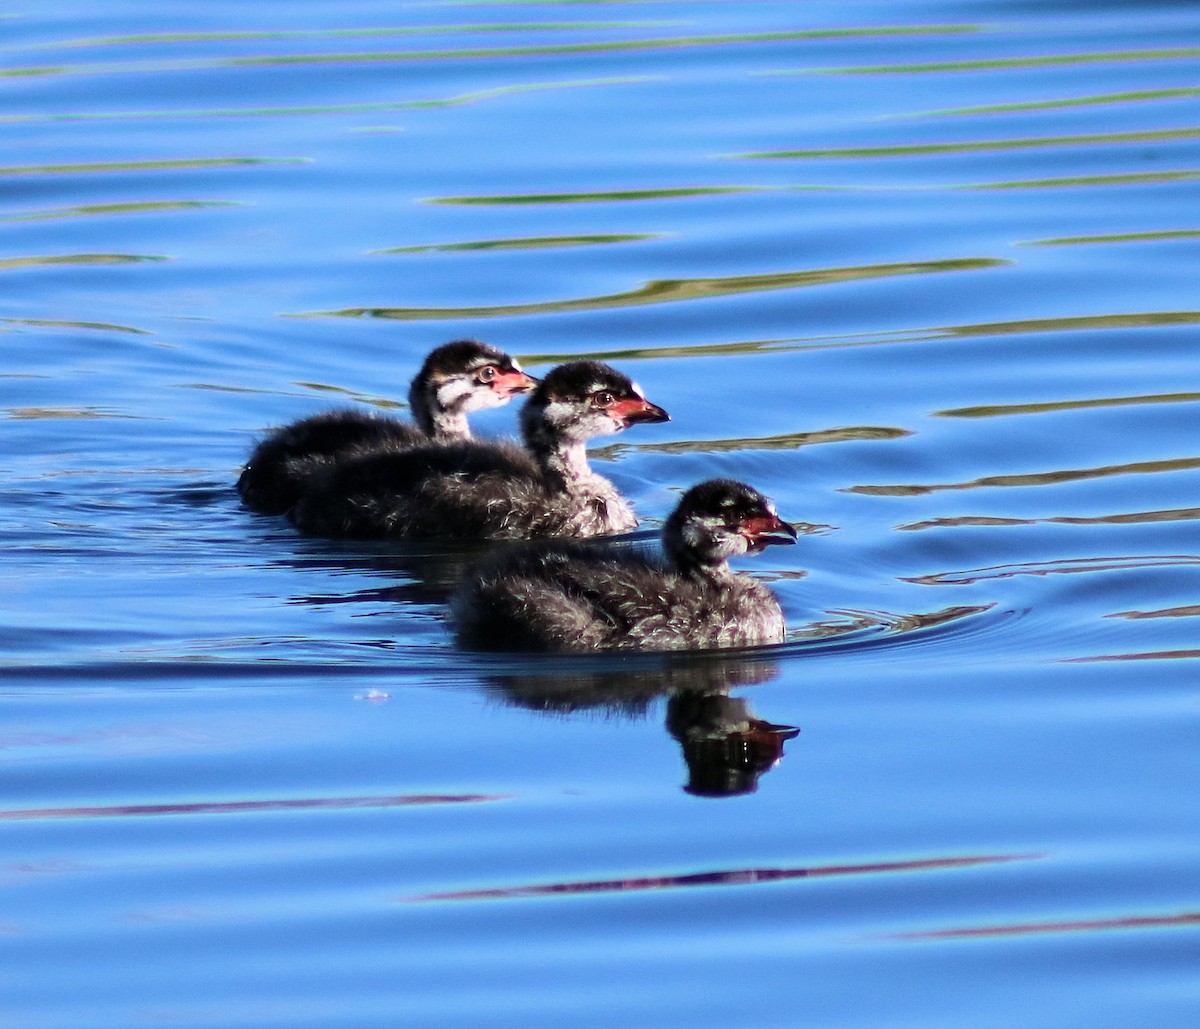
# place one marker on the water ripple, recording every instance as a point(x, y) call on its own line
point(1188, 918)
point(724, 877)
point(664, 291)
point(1031, 479)
point(979, 145)
point(1007, 63)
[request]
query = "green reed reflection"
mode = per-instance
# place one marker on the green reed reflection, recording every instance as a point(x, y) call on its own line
point(671, 290)
point(379, 107)
point(49, 259)
point(1150, 319)
point(1126, 179)
point(1003, 63)
point(994, 410)
point(51, 323)
point(783, 441)
point(1147, 319)
point(607, 46)
point(972, 146)
point(137, 166)
point(599, 198)
point(135, 207)
point(474, 53)
point(283, 35)
point(1122, 237)
point(527, 243)
point(1032, 479)
point(1103, 99)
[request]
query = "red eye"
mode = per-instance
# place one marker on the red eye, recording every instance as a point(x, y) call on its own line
point(486, 373)
point(603, 399)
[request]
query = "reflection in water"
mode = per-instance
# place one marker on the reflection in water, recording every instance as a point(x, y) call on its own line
point(44, 259)
point(525, 243)
point(1120, 237)
point(662, 291)
point(1179, 514)
point(1050, 406)
point(729, 877)
point(1187, 611)
point(1023, 61)
point(1066, 566)
point(1187, 918)
point(173, 164)
point(968, 146)
point(1056, 103)
point(105, 210)
point(783, 441)
point(726, 748)
point(1032, 479)
point(237, 807)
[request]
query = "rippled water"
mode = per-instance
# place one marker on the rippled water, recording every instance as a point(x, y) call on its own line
point(924, 272)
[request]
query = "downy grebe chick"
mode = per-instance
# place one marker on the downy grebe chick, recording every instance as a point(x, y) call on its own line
point(492, 490)
point(580, 597)
point(456, 379)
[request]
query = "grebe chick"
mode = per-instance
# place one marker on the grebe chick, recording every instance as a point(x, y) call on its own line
point(456, 379)
point(579, 597)
point(492, 490)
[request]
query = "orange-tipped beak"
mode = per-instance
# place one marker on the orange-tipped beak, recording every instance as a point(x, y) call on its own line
point(634, 410)
point(760, 532)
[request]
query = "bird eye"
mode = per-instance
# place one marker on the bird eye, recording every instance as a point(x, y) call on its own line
point(603, 399)
point(486, 373)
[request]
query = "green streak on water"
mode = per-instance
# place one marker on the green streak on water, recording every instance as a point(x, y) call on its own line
point(1122, 237)
point(1125, 179)
point(32, 262)
point(671, 290)
point(132, 207)
point(382, 107)
point(1103, 99)
point(1000, 410)
point(1033, 479)
point(608, 46)
point(971, 146)
point(526, 243)
point(136, 166)
point(60, 324)
point(598, 198)
point(280, 35)
point(1005, 63)
point(783, 441)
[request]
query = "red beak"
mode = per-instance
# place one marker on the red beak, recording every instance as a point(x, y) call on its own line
point(633, 410)
point(509, 384)
point(763, 530)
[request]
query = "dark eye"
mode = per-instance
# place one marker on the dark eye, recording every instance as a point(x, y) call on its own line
point(486, 373)
point(603, 399)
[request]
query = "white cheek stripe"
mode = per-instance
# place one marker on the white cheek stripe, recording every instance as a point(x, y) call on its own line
point(449, 393)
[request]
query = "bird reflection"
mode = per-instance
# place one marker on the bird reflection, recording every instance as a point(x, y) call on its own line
point(727, 748)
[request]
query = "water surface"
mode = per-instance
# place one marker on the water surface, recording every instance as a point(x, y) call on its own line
point(923, 272)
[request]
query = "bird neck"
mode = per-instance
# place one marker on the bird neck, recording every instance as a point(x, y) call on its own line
point(433, 416)
point(443, 424)
point(565, 463)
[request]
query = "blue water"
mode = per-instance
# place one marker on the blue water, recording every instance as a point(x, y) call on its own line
point(923, 272)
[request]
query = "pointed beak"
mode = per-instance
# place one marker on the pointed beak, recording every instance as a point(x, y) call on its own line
point(761, 531)
point(635, 410)
point(510, 384)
